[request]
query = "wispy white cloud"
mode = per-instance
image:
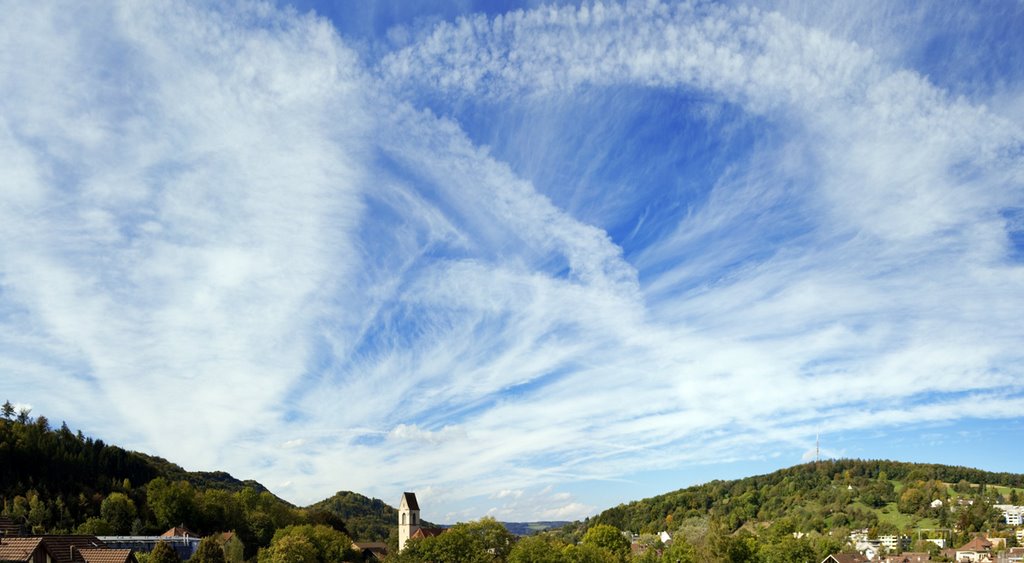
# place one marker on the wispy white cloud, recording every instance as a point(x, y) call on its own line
point(226, 222)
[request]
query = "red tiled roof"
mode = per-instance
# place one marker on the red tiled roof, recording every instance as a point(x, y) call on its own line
point(977, 544)
point(428, 532)
point(105, 555)
point(18, 549)
point(847, 558)
point(179, 532)
point(64, 549)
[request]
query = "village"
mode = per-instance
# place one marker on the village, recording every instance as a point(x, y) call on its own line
point(861, 545)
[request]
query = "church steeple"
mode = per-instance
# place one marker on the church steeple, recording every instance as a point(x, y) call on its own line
point(408, 518)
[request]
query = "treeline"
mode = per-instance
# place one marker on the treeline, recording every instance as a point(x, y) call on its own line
point(55, 481)
point(487, 541)
point(820, 497)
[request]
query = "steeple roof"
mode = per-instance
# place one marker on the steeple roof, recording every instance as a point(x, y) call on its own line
point(409, 500)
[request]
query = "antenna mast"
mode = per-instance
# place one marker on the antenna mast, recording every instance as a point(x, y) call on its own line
point(817, 448)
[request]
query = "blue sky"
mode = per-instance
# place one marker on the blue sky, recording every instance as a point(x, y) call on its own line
point(527, 260)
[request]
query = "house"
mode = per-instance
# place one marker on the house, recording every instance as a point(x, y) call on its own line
point(179, 532)
point(8, 527)
point(61, 549)
point(106, 555)
point(22, 549)
point(894, 543)
point(941, 542)
point(870, 549)
point(1015, 555)
point(370, 550)
point(977, 550)
point(908, 557)
point(845, 558)
point(234, 549)
point(1013, 514)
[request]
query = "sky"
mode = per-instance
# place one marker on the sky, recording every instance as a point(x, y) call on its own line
point(527, 260)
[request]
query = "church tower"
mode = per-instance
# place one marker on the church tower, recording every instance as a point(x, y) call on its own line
point(408, 518)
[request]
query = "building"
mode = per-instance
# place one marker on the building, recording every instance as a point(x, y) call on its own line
point(894, 543)
point(409, 524)
point(234, 549)
point(908, 557)
point(371, 550)
point(1013, 514)
point(408, 518)
point(8, 527)
point(845, 558)
point(977, 550)
point(61, 549)
point(183, 541)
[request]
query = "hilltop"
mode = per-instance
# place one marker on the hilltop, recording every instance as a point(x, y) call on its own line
point(830, 495)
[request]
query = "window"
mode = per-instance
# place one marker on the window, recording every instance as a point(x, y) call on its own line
point(403, 519)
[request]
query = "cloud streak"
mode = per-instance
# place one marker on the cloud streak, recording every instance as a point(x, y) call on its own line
point(230, 224)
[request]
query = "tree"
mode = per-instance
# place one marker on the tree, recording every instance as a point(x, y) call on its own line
point(289, 549)
point(483, 541)
point(536, 549)
point(23, 415)
point(95, 527)
point(7, 410)
point(119, 511)
point(171, 503)
point(588, 553)
point(209, 551)
point(163, 553)
point(608, 538)
point(328, 545)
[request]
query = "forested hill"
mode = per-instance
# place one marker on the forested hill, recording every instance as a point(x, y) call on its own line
point(59, 481)
point(829, 495)
point(364, 517)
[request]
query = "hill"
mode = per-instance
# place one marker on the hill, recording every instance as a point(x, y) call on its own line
point(365, 518)
point(829, 495)
point(58, 481)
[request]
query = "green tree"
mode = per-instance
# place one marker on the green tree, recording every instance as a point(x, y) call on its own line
point(290, 549)
point(118, 510)
point(23, 415)
point(588, 553)
point(172, 503)
point(608, 538)
point(787, 550)
point(163, 553)
point(95, 527)
point(329, 545)
point(537, 549)
point(483, 541)
point(209, 551)
point(7, 410)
